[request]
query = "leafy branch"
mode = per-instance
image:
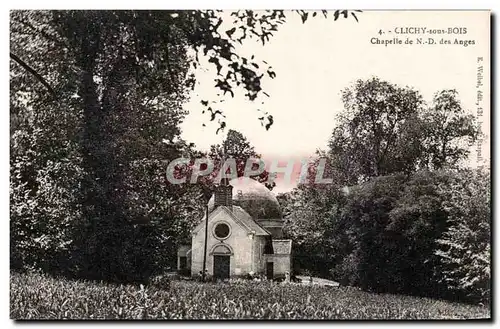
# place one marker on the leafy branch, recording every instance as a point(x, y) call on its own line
point(37, 75)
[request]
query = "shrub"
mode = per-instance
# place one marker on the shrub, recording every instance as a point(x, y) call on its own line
point(464, 249)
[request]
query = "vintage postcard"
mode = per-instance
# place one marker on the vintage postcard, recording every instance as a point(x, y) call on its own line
point(250, 164)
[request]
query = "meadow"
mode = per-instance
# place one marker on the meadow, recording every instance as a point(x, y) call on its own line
point(39, 296)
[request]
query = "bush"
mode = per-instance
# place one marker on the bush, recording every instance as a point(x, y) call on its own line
point(121, 253)
point(425, 235)
point(160, 282)
point(464, 249)
point(42, 215)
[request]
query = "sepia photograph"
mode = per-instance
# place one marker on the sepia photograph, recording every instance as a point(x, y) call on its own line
point(250, 164)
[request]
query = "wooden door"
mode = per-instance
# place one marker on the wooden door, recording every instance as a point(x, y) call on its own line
point(270, 270)
point(182, 263)
point(222, 264)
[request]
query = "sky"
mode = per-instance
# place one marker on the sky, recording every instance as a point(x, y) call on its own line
point(315, 61)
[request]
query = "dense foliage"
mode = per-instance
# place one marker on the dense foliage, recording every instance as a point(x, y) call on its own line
point(41, 297)
point(96, 103)
point(94, 127)
point(402, 214)
point(424, 235)
point(385, 128)
point(464, 249)
point(80, 156)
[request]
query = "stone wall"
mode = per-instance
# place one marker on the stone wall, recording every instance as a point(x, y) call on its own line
point(282, 264)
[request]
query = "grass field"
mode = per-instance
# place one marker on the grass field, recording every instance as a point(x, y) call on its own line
point(35, 296)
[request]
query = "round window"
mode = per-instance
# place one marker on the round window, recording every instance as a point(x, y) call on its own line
point(221, 230)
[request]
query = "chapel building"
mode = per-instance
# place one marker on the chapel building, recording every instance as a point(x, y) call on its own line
point(245, 234)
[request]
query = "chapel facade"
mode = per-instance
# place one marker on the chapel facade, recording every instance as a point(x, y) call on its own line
point(245, 234)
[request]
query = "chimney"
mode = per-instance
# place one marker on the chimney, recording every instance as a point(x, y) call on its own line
point(224, 194)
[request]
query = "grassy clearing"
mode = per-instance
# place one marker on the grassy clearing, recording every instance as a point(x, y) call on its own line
point(35, 296)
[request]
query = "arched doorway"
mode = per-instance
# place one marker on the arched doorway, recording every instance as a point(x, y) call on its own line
point(222, 261)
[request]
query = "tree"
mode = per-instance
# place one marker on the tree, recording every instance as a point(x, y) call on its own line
point(464, 249)
point(417, 220)
point(375, 134)
point(448, 131)
point(312, 226)
point(312, 211)
point(237, 147)
point(427, 234)
point(45, 163)
point(378, 209)
point(108, 120)
point(93, 121)
point(200, 30)
point(387, 129)
point(393, 224)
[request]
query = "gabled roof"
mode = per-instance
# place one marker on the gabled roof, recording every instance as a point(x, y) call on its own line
point(240, 213)
point(282, 247)
point(240, 216)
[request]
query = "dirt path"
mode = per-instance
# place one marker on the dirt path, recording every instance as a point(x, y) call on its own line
point(319, 281)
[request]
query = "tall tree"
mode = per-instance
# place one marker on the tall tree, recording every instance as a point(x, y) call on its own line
point(45, 162)
point(448, 131)
point(377, 133)
point(384, 130)
point(236, 146)
point(388, 129)
point(93, 119)
point(109, 114)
